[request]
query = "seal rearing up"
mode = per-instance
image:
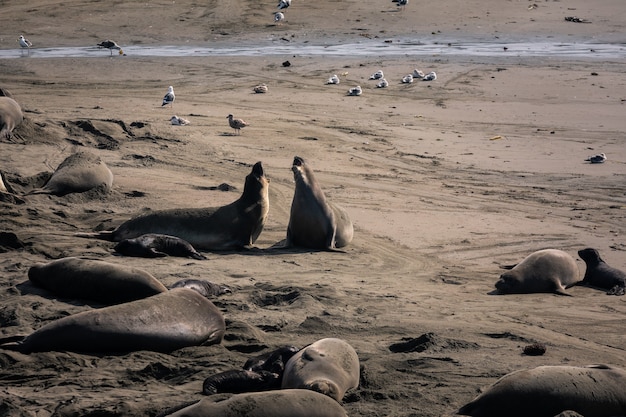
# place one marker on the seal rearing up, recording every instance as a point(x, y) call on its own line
point(314, 221)
point(233, 226)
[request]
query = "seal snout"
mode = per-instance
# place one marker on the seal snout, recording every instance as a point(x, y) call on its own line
point(257, 169)
point(297, 161)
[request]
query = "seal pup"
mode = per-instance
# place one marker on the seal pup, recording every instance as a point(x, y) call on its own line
point(545, 391)
point(207, 288)
point(548, 270)
point(111, 45)
point(597, 159)
point(314, 221)
point(355, 91)
point(78, 173)
point(277, 403)
point(154, 245)
point(236, 124)
point(10, 116)
point(599, 274)
point(24, 43)
point(329, 366)
point(233, 226)
point(169, 97)
point(100, 281)
point(162, 323)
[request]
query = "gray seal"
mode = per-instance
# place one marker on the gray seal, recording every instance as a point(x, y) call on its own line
point(600, 275)
point(165, 322)
point(329, 366)
point(545, 391)
point(314, 221)
point(101, 281)
point(547, 270)
point(278, 403)
point(79, 172)
point(10, 116)
point(234, 226)
point(154, 245)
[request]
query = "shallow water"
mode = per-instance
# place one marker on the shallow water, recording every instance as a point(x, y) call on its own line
point(583, 50)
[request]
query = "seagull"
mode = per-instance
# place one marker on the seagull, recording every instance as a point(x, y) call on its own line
point(279, 17)
point(431, 76)
point(261, 88)
point(179, 121)
point(402, 3)
point(111, 45)
point(355, 91)
point(25, 43)
point(383, 83)
point(377, 75)
point(597, 159)
point(418, 74)
point(407, 79)
point(333, 80)
point(283, 4)
point(236, 124)
point(169, 97)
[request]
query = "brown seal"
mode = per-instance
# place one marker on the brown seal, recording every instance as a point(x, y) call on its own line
point(78, 173)
point(10, 116)
point(314, 221)
point(600, 275)
point(87, 279)
point(279, 403)
point(329, 366)
point(165, 322)
point(548, 270)
point(154, 245)
point(545, 391)
point(234, 226)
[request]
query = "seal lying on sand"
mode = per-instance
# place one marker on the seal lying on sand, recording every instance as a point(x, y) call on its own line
point(154, 245)
point(100, 281)
point(548, 270)
point(329, 366)
point(162, 323)
point(599, 274)
point(10, 116)
point(207, 288)
point(545, 391)
point(314, 221)
point(281, 403)
point(234, 226)
point(78, 173)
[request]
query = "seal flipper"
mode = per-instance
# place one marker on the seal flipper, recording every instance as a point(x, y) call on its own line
point(12, 343)
point(104, 235)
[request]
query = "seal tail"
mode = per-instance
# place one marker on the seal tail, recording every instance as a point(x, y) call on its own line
point(104, 235)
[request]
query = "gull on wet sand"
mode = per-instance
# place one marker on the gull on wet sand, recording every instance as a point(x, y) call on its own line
point(382, 83)
point(418, 74)
point(283, 4)
point(407, 79)
point(279, 17)
point(169, 97)
point(25, 43)
point(431, 76)
point(236, 124)
point(355, 91)
point(111, 45)
point(597, 159)
point(260, 89)
point(178, 121)
point(333, 80)
point(377, 75)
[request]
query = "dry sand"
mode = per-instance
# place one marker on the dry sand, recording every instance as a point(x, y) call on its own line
point(437, 205)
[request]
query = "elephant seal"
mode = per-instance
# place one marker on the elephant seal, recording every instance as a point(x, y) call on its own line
point(154, 245)
point(547, 270)
point(545, 391)
point(599, 274)
point(329, 366)
point(165, 322)
point(234, 226)
point(94, 280)
point(10, 116)
point(278, 403)
point(206, 288)
point(78, 173)
point(314, 221)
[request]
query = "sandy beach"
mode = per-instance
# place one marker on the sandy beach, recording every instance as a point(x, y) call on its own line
point(445, 181)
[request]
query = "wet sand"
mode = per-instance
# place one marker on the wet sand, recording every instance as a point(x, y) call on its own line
point(445, 181)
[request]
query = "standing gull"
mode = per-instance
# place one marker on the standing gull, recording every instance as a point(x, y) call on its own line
point(402, 4)
point(25, 43)
point(333, 80)
point(283, 4)
point(236, 124)
point(178, 121)
point(279, 17)
point(169, 97)
point(111, 45)
point(596, 159)
point(377, 75)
